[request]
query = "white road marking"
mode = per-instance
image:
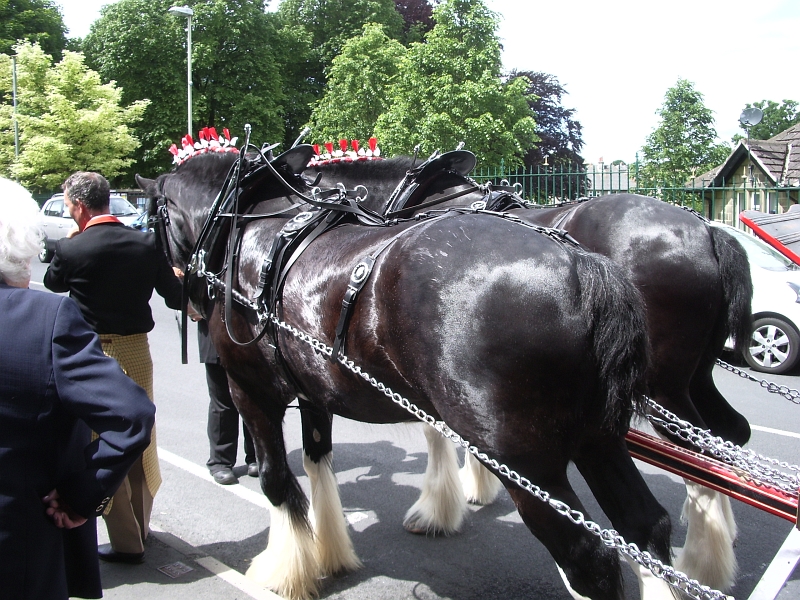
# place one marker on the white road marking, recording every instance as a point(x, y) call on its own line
point(217, 568)
point(202, 472)
point(775, 431)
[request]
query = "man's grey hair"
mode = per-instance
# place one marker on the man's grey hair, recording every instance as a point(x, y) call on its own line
point(20, 232)
point(90, 188)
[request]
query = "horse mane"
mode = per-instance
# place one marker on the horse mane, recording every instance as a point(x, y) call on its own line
point(366, 169)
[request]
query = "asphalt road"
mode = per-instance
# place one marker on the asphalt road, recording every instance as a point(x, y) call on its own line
point(215, 530)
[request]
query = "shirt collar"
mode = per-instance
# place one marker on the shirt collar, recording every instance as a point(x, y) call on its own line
point(100, 219)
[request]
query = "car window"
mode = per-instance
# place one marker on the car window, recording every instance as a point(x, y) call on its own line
point(762, 254)
point(55, 209)
point(122, 208)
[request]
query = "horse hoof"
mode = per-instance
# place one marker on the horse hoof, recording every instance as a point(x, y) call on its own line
point(415, 529)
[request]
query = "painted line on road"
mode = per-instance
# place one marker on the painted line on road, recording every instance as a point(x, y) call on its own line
point(202, 472)
point(791, 434)
point(214, 566)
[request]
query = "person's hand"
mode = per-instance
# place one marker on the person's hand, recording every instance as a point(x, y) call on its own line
point(73, 232)
point(178, 273)
point(58, 510)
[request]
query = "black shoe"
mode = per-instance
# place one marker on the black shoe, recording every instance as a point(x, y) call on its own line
point(225, 476)
point(107, 553)
point(252, 469)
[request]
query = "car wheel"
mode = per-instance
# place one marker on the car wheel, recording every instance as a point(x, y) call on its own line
point(774, 346)
point(45, 254)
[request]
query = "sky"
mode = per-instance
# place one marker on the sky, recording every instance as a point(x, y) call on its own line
point(617, 58)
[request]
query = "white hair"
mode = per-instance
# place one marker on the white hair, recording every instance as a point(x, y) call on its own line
point(20, 232)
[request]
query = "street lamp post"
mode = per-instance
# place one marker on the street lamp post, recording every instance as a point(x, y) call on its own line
point(185, 11)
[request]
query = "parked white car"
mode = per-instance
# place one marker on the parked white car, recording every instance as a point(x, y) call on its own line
point(57, 222)
point(775, 343)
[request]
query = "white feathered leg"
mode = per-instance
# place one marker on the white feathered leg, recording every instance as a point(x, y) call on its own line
point(479, 483)
point(441, 506)
point(708, 554)
point(289, 565)
point(334, 546)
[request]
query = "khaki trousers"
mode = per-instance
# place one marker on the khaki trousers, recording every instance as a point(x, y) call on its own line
point(128, 514)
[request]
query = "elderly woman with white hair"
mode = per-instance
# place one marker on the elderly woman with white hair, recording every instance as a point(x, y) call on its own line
point(56, 387)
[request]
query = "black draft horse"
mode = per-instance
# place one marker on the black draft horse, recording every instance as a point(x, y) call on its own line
point(695, 283)
point(531, 350)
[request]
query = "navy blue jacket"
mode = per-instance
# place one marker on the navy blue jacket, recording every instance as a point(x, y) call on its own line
point(56, 384)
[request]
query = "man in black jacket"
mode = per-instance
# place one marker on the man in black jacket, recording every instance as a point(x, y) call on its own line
point(111, 271)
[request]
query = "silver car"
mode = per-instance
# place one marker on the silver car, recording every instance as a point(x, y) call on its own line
point(57, 222)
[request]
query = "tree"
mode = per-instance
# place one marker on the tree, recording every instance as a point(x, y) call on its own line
point(417, 18)
point(37, 21)
point(236, 78)
point(332, 22)
point(324, 27)
point(684, 143)
point(449, 90)
point(777, 118)
point(69, 121)
point(560, 134)
point(356, 93)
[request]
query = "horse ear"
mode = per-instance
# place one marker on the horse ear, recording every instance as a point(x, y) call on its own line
point(147, 185)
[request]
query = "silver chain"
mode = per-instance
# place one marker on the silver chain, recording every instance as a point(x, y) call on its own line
point(755, 465)
point(609, 537)
point(790, 394)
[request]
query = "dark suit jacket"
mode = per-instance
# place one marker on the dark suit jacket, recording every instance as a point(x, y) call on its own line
point(55, 384)
point(111, 271)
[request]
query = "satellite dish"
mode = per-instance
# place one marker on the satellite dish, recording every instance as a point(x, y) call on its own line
point(751, 116)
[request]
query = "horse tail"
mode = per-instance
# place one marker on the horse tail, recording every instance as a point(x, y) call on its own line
point(737, 287)
point(615, 315)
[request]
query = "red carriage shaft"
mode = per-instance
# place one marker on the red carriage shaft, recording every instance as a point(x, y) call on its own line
point(711, 473)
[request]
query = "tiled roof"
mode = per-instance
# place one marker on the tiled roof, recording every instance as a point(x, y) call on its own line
point(778, 158)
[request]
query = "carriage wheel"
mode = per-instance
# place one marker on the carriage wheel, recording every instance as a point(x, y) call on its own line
point(774, 346)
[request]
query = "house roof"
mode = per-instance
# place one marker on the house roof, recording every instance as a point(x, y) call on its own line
point(778, 158)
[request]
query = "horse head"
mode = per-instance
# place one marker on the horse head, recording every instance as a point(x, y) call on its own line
point(181, 200)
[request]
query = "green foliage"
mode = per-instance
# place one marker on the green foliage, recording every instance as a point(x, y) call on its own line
point(68, 120)
point(684, 143)
point(356, 94)
point(449, 90)
point(323, 27)
point(331, 23)
point(37, 21)
point(777, 118)
point(235, 75)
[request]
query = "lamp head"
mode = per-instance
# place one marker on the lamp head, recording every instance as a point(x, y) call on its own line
point(182, 11)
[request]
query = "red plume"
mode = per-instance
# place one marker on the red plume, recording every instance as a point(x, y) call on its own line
point(173, 149)
point(202, 133)
point(354, 144)
point(226, 133)
point(329, 147)
point(213, 133)
point(316, 149)
point(343, 145)
point(373, 143)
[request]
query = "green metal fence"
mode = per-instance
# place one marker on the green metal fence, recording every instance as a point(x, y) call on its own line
point(552, 184)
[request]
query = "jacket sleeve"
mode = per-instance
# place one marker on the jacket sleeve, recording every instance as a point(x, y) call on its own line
point(93, 388)
point(55, 278)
